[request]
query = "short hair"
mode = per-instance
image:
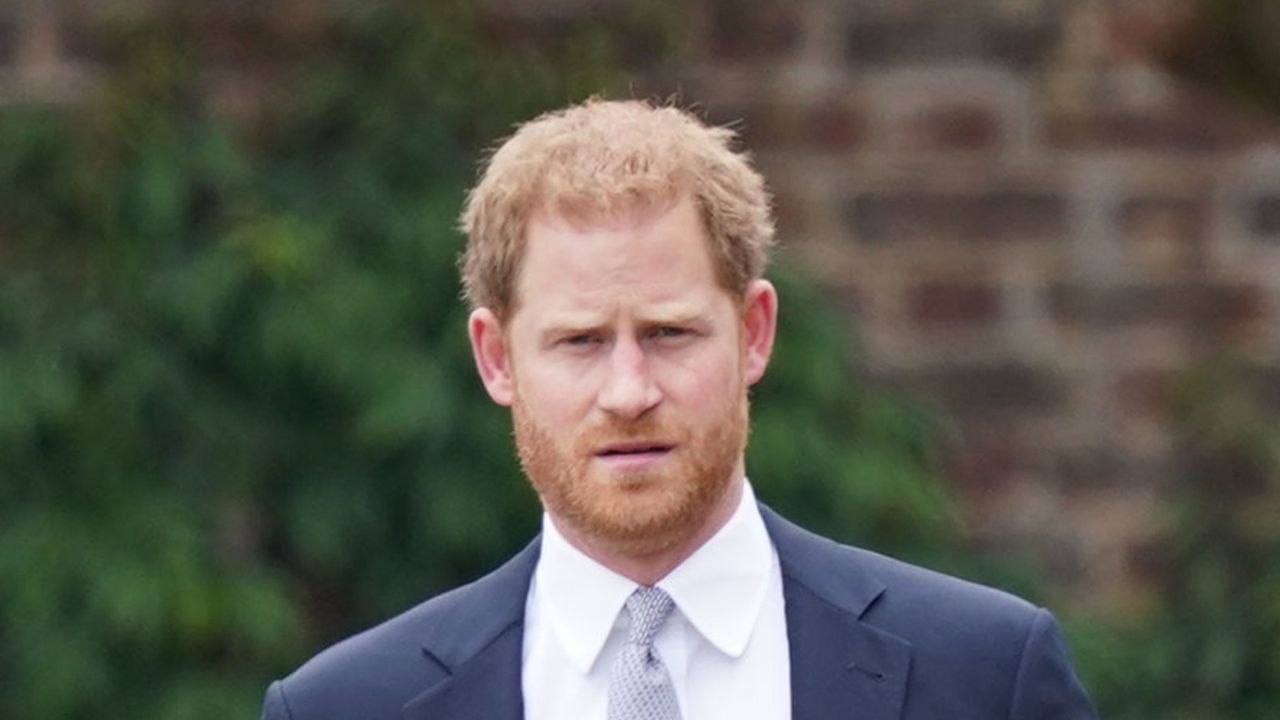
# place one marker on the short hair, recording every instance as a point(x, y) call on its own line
point(604, 157)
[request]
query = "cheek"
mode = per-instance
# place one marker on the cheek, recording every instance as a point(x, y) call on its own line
point(710, 382)
point(556, 399)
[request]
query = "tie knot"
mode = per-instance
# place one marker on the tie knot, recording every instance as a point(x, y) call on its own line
point(648, 608)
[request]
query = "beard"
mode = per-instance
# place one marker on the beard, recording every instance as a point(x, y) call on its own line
point(635, 511)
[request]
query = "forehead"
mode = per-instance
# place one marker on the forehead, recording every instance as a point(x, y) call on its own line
point(655, 254)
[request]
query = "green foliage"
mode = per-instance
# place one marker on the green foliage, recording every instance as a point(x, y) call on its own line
point(838, 455)
point(1210, 645)
point(238, 417)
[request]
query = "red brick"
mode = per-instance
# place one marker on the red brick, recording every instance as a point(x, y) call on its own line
point(1023, 45)
point(984, 466)
point(1183, 217)
point(854, 300)
point(761, 125)
point(1167, 233)
point(978, 389)
point(89, 40)
point(38, 43)
point(1149, 562)
point(956, 127)
point(8, 41)
point(992, 215)
point(1208, 310)
point(753, 31)
point(1233, 313)
point(836, 126)
point(1150, 30)
point(1194, 122)
point(1264, 216)
point(963, 34)
point(940, 303)
point(832, 126)
point(1084, 470)
point(1145, 391)
point(790, 213)
point(881, 42)
point(1148, 131)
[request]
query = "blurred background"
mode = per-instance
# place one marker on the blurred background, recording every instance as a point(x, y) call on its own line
point(1030, 317)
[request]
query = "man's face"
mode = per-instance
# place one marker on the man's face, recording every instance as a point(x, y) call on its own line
point(626, 365)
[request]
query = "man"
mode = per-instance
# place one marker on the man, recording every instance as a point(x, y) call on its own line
point(614, 265)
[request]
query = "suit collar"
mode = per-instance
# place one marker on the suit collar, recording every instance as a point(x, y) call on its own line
point(840, 663)
point(827, 569)
point(475, 637)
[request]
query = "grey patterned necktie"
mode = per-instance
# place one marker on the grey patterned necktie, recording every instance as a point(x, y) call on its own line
point(639, 686)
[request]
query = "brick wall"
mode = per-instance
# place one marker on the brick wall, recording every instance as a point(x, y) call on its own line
point(1033, 226)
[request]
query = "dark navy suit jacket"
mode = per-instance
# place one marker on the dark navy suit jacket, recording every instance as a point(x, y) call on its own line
point(870, 638)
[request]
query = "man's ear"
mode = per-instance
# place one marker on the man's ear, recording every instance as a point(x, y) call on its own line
point(759, 323)
point(492, 356)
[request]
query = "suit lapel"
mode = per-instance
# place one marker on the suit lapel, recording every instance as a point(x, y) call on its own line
point(486, 687)
point(477, 641)
point(841, 666)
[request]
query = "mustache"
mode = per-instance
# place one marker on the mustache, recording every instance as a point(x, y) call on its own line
point(646, 427)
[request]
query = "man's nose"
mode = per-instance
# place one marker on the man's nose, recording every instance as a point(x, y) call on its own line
point(629, 389)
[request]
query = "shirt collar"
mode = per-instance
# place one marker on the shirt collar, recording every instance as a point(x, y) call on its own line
point(719, 589)
point(580, 597)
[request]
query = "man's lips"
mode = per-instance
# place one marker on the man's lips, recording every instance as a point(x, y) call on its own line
point(638, 449)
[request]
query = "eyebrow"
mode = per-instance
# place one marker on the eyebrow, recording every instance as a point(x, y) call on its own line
point(674, 313)
point(571, 323)
point(684, 318)
point(568, 325)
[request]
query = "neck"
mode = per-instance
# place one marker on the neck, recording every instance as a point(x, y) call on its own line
point(649, 568)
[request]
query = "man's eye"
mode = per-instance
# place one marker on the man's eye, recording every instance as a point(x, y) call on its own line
point(579, 339)
point(669, 331)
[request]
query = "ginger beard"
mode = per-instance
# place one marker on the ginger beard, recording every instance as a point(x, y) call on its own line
point(638, 512)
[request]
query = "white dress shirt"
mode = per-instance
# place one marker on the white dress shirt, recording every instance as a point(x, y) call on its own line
point(725, 645)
